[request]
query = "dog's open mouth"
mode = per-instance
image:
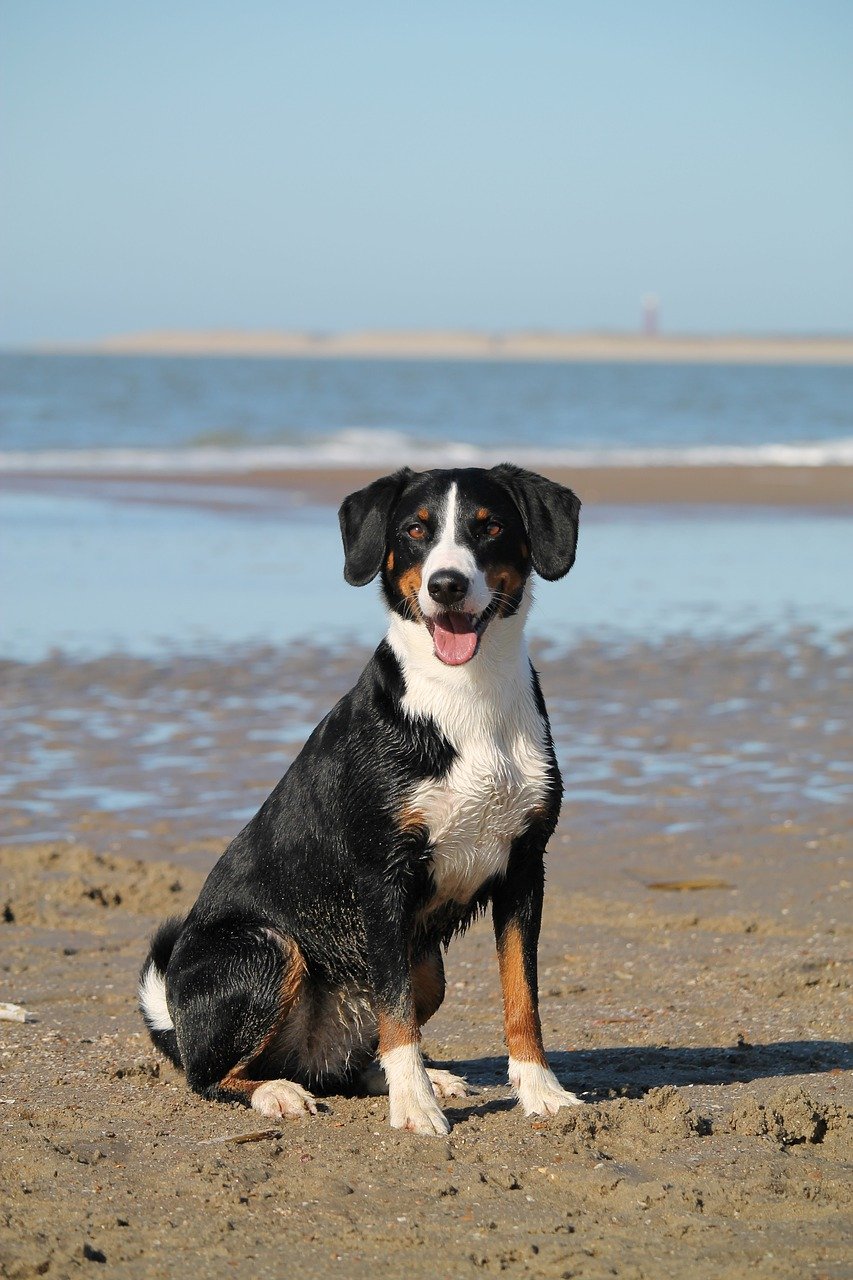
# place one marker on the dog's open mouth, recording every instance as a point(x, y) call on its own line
point(456, 636)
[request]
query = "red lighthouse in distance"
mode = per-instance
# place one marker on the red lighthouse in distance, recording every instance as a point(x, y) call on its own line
point(651, 315)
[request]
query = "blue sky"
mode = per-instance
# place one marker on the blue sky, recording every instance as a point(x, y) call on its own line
point(478, 164)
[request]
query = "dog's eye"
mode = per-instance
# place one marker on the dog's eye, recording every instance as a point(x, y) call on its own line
point(493, 528)
point(416, 531)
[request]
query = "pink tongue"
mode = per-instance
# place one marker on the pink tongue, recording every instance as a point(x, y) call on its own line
point(454, 639)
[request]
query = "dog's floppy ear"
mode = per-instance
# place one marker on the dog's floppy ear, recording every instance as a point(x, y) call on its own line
point(364, 520)
point(550, 514)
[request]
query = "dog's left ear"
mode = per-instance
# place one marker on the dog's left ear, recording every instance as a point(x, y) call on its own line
point(550, 514)
point(364, 522)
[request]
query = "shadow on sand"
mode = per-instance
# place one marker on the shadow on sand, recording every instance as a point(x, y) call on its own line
point(630, 1072)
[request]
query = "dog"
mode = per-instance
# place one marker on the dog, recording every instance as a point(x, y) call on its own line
point(313, 955)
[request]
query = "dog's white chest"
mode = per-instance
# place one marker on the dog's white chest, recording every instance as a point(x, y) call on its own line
point(500, 774)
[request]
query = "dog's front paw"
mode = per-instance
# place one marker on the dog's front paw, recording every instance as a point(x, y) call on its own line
point(283, 1098)
point(446, 1085)
point(411, 1098)
point(425, 1118)
point(538, 1089)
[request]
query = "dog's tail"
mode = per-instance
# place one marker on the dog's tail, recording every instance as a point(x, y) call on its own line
point(152, 990)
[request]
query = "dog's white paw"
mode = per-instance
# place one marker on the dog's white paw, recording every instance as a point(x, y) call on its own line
point(538, 1089)
point(283, 1098)
point(411, 1099)
point(446, 1085)
point(425, 1118)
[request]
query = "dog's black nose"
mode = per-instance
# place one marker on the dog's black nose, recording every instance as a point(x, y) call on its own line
point(448, 586)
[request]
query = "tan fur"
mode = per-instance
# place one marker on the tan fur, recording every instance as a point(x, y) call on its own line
point(409, 818)
point(521, 1019)
point(506, 580)
point(394, 1033)
point(410, 584)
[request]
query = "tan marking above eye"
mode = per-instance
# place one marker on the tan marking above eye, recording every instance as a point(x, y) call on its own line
point(483, 513)
point(423, 513)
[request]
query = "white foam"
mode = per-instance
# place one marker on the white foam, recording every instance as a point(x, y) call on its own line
point(384, 449)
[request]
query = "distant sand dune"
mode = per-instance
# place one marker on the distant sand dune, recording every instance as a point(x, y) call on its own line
point(462, 345)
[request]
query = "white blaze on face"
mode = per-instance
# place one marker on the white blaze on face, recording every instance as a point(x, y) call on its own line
point(449, 553)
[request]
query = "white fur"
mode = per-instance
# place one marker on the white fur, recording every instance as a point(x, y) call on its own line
point(283, 1098)
point(449, 553)
point(412, 1101)
point(539, 1091)
point(444, 1084)
point(487, 711)
point(152, 998)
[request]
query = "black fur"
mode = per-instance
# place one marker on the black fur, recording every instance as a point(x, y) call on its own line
point(329, 869)
point(363, 518)
point(550, 513)
point(159, 954)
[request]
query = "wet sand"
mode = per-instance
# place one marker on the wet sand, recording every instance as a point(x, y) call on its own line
point(694, 977)
point(766, 486)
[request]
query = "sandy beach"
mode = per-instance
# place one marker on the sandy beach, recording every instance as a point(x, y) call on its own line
point(694, 966)
point(694, 977)
point(471, 345)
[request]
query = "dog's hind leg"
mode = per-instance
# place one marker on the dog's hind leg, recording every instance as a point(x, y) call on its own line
point(231, 989)
point(428, 985)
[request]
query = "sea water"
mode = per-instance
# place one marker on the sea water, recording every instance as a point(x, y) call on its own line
point(88, 575)
point(112, 413)
point(90, 568)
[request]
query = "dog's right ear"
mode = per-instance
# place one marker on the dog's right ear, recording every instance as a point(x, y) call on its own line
point(364, 522)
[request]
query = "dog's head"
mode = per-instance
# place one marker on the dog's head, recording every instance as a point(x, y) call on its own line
point(455, 548)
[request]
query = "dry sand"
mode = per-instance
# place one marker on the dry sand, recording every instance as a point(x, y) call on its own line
point(471, 345)
point(703, 1022)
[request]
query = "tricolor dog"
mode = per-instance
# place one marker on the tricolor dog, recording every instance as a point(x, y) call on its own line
point(313, 955)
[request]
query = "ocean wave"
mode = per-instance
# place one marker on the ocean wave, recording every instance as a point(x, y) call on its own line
point(385, 449)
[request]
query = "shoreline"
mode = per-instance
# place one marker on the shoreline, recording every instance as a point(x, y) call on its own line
point(829, 487)
point(464, 345)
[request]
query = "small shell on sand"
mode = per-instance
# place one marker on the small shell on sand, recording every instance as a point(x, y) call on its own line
point(14, 1013)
